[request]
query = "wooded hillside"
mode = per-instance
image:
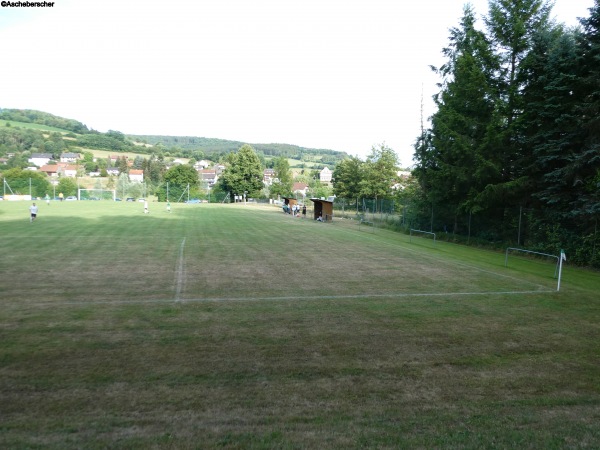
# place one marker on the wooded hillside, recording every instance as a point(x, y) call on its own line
point(180, 146)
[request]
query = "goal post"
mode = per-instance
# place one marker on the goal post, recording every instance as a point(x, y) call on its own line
point(96, 194)
point(421, 233)
point(530, 252)
point(368, 226)
point(559, 260)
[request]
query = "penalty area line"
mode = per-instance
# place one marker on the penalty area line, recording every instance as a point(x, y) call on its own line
point(282, 298)
point(365, 296)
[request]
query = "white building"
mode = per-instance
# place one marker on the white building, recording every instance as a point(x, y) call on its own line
point(69, 157)
point(136, 175)
point(325, 175)
point(40, 159)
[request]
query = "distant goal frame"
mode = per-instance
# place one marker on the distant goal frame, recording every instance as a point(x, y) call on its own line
point(101, 192)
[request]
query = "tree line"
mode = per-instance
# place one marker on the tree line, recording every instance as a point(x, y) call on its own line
point(222, 147)
point(517, 126)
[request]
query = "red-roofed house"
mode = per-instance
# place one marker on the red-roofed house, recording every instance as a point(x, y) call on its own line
point(50, 169)
point(67, 171)
point(136, 175)
point(300, 188)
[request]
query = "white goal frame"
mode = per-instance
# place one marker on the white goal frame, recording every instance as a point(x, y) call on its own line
point(559, 261)
point(513, 249)
point(100, 191)
point(428, 233)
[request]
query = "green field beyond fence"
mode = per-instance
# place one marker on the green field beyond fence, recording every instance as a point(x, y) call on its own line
point(232, 326)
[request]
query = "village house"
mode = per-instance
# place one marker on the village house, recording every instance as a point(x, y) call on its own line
point(300, 189)
point(325, 175)
point(40, 159)
point(69, 157)
point(114, 159)
point(67, 170)
point(268, 176)
point(50, 169)
point(136, 175)
point(203, 164)
point(209, 176)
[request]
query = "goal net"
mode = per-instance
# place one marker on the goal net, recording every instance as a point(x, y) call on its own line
point(543, 258)
point(96, 194)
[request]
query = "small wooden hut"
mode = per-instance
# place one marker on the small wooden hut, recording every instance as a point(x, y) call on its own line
point(322, 209)
point(290, 201)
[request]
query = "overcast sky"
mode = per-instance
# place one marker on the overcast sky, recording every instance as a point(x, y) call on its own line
point(338, 74)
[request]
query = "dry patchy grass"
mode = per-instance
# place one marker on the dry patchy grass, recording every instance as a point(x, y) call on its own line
point(279, 342)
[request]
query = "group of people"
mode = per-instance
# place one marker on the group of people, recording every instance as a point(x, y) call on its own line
point(294, 210)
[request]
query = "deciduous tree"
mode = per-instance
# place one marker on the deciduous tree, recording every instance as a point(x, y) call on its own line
point(243, 174)
point(283, 185)
point(347, 177)
point(379, 173)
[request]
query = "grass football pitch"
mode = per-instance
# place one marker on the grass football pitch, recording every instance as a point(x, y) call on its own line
point(231, 326)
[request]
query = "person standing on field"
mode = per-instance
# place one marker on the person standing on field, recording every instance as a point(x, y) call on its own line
point(47, 199)
point(168, 207)
point(33, 209)
point(145, 207)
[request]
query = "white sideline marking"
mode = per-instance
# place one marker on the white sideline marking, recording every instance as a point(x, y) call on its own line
point(179, 273)
point(286, 298)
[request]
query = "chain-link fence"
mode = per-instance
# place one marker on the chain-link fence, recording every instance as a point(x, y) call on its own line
point(533, 229)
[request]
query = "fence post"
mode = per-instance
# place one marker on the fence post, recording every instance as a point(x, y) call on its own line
point(519, 232)
point(431, 218)
point(469, 236)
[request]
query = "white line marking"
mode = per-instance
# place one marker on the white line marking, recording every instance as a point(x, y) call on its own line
point(442, 260)
point(361, 296)
point(179, 273)
point(290, 298)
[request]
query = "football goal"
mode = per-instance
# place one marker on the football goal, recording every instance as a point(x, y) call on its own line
point(422, 234)
point(96, 194)
point(532, 254)
point(366, 225)
point(544, 257)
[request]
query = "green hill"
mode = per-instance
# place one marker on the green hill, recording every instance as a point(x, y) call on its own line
point(212, 146)
point(30, 116)
point(180, 146)
point(33, 126)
